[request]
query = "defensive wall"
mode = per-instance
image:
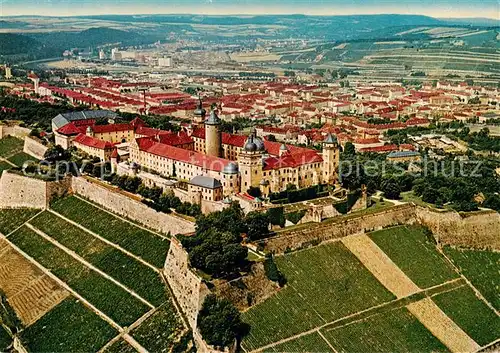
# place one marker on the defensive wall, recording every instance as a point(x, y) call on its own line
point(310, 234)
point(474, 229)
point(130, 208)
point(34, 148)
point(16, 131)
point(19, 191)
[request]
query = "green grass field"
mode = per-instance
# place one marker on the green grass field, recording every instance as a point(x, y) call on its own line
point(413, 252)
point(11, 219)
point(69, 327)
point(20, 158)
point(482, 268)
point(126, 270)
point(10, 145)
point(471, 314)
point(138, 241)
point(309, 343)
point(120, 346)
point(393, 331)
point(324, 283)
point(108, 297)
point(158, 332)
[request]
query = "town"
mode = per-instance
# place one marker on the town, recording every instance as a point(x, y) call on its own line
point(186, 194)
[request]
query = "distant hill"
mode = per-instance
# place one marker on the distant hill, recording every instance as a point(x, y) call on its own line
point(91, 38)
point(487, 22)
point(12, 44)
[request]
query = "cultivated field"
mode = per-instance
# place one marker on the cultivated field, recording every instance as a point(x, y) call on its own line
point(338, 298)
point(142, 243)
point(482, 268)
point(393, 331)
point(415, 254)
point(20, 158)
point(324, 284)
point(112, 280)
point(9, 146)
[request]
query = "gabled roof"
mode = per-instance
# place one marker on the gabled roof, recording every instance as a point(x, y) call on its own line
point(206, 182)
point(93, 142)
point(70, 130)
point(64, 118)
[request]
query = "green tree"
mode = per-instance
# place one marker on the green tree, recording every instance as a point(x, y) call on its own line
point(257, 224)
point(391, 189)
point(219, 322)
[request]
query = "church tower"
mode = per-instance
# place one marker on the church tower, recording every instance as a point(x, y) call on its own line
point(213, 136)
point(331, 160)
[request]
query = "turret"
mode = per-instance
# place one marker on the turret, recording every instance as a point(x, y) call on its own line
point(199, 114)
point(213, 136)
point(331, 159)
point(250, 162)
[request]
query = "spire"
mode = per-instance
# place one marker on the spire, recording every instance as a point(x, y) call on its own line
point(200, 112)
point(330, 139)
point(213, 119)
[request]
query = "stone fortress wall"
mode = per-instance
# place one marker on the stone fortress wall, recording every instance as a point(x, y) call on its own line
point(130, 208)
point(16, 131)
point(17, 191)
point(476, 229)
point(34, 148)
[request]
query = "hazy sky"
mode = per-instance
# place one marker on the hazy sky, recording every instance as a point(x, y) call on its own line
point(436, 8)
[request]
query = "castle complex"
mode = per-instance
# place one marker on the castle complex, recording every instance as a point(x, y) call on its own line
point(229, 163)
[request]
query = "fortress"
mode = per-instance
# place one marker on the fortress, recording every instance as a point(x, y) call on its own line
point(229, 164)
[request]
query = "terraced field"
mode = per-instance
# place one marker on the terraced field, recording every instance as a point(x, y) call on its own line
point(11, 219)
point(333, 300)
point(482, 268)
point(20, 158)
point(10, 146)
point(412, 251)
point(137, 276)
point(109, 286)
point(393, 331)
point(70, 327)
point(158, 332)
point(148, 246)
point(5, 339)
point(107, 296)
point(4, 166)
point(319, 281)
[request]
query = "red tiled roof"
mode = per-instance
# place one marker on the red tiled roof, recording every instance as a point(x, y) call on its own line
point(93, 142)
point(147, 144)
point(289, 160)
point(174, 139)
point(70, 129)
point(112, 128)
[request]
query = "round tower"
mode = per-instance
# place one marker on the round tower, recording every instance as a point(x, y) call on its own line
point(231, 179)
point(213, 136)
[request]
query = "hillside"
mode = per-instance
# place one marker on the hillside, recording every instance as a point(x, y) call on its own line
point(12, 44)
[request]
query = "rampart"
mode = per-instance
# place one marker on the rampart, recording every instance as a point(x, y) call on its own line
point(16, 131)
point(34, 148)
point(130, 208)
point(310, 234)
point(17, 191)
point(475, 229)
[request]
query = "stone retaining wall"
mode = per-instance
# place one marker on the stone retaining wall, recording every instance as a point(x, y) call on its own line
point(17, 191)
point(130, 208)
point(34, 148)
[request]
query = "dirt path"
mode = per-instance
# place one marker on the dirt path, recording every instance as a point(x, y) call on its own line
point(88, 264)
point(128, 253)
point(441, 326)
point(380, 265)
